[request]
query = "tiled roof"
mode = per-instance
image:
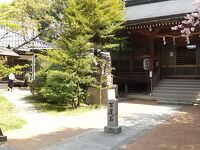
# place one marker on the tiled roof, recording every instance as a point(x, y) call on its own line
point(164, 9)
point(13, 39)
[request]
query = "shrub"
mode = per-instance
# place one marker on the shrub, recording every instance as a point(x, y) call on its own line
point(61, 88)
point(38, 83)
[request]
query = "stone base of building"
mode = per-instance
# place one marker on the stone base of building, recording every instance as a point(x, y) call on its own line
point(112, 130)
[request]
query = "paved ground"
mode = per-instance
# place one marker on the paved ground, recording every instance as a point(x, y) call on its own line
point(84, 131)
point(135, 119)
point(181, 132)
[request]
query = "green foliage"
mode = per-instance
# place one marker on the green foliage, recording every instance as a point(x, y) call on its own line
point(38, 83)
point(87, 25)
point(5, 70)
point(60, 87)
point(38, 17)
point(94, 21)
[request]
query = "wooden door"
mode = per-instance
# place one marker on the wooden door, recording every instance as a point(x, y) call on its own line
point(179, 61)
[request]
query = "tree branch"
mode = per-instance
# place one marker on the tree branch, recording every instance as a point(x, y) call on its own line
point(4, 35)
point(32, 39)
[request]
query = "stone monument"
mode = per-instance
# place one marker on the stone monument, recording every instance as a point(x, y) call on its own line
point(112, 117)
point(99, 95)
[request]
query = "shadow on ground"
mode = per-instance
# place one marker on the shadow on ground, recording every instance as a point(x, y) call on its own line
point(44, 140)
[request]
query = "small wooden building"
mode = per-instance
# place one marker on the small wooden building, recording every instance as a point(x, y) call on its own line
point(149, 36)
point(15, 42)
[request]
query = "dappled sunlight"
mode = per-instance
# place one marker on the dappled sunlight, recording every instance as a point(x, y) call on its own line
point(144, 115)
point(183, 118)
point(179, 132)
point(42, 123)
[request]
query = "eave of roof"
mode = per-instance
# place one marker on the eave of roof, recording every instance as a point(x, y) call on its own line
point(7, 52)
point(158, 11)
point(140, 2)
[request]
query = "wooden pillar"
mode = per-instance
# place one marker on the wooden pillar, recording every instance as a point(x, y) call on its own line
point(33, 67)
point(130, 63)
point(151, 53)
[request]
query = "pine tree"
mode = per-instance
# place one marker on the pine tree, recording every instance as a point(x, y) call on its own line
point(90, 25)
point(87, 26)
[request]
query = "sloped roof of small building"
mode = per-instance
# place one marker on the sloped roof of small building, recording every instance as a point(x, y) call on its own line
point(7, 52)
point(14, 40)
point(158, 11)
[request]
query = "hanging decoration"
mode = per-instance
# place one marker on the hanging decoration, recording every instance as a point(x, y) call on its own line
point(188, 40)
point(178, 36)
point(174, 40)
point(164, 40)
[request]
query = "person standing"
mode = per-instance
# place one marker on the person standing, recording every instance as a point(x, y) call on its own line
point(11, 79)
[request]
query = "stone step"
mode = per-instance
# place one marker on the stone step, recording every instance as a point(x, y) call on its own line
point(179, 85)
point(173, 91)
point(177, 89)
point(175, 102)
point(180, 80)
point(177, 96)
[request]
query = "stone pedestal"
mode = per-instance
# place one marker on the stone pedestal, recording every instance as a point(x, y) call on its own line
point(94, 94)
point(112, 118)
point(2, 137)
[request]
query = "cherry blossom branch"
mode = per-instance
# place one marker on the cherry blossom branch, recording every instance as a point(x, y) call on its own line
point(190, 23)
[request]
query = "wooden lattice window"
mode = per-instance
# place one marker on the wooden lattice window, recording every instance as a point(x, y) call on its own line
point(138, 65)
point(185, 56)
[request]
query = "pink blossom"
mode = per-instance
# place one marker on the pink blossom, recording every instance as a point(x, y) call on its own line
point(190, 22)
point(192, 29)
point(174, 28)
point(194, 14)
point(180, 26)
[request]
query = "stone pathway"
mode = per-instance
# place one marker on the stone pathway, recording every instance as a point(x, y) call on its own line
point(41, 123)
point(135, 119)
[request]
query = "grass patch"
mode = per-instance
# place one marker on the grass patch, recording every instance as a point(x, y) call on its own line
point(8, 118)
point(56, 109)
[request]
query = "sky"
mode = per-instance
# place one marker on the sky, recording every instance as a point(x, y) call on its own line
point(5, 1)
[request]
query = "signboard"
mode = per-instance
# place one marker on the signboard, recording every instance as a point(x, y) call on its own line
point(112, 113)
